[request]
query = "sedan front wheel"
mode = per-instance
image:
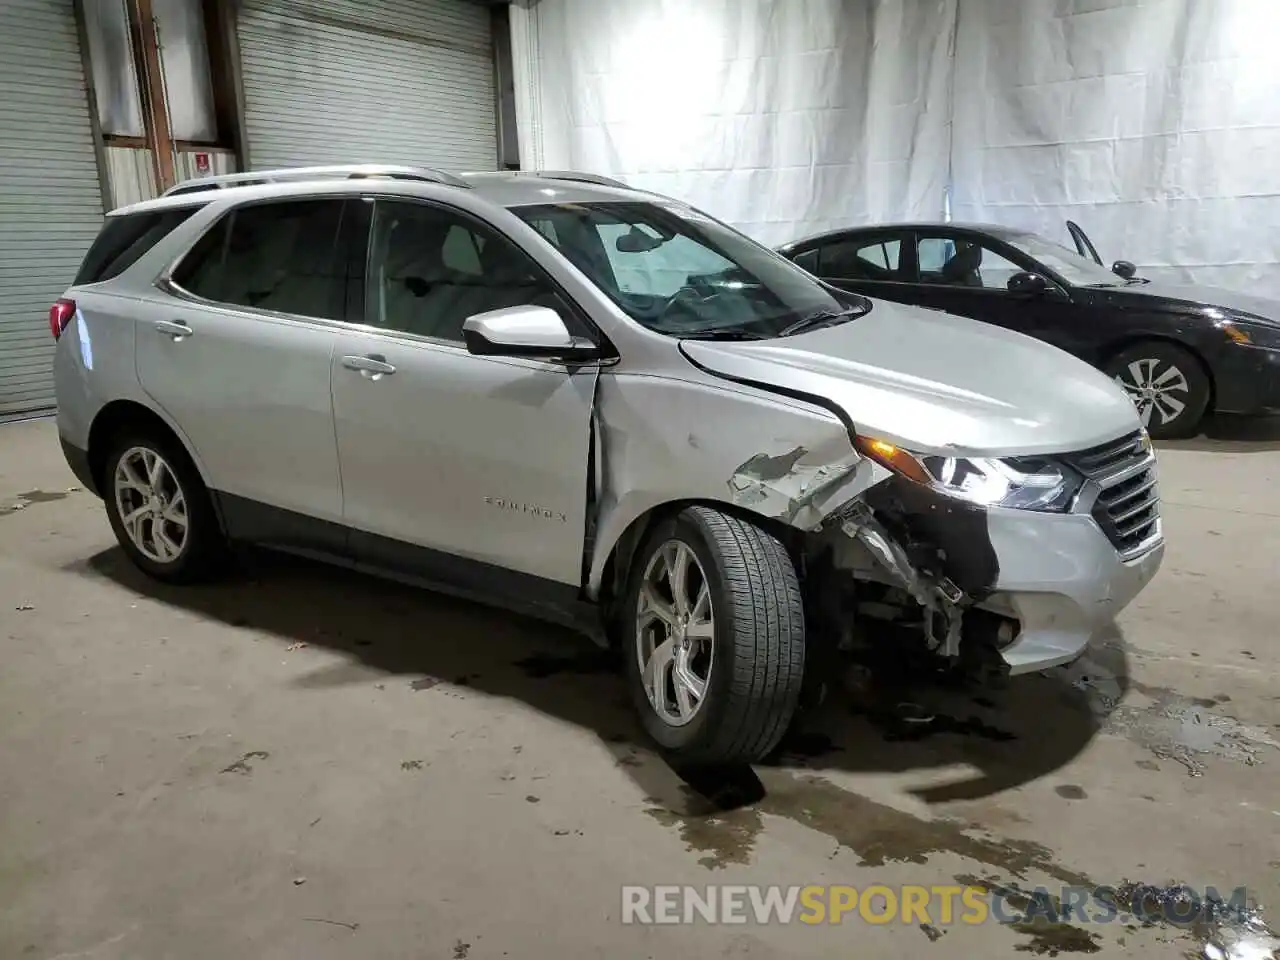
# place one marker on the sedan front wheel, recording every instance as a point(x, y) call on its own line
point(1166, 383)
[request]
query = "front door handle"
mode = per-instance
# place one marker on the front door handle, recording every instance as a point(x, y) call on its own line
point(373, 366)
point(172, 328)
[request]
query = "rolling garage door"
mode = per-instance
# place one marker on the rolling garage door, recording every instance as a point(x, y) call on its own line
point(50, 200)
point(338, 81)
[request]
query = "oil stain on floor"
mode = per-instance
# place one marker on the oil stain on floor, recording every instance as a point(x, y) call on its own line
point(24, 500)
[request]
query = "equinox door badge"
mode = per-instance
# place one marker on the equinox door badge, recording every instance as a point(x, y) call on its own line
point(531, 509)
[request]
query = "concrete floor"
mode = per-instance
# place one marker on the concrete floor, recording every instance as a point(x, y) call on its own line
point(302, 762)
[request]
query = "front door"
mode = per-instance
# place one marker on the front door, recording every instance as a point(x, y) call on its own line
point(240, 355)
point(1084, 246)
point(969, 276)
point(454, 466)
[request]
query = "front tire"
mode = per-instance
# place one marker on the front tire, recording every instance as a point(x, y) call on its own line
point(714, 638)
point(1166, 383)
point(159, 509)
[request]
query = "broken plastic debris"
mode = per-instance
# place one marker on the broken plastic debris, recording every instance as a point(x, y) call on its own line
point(24, 606)
point(296, 646)
point(299, 881)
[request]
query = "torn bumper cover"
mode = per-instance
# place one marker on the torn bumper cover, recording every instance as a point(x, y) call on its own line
point(1056, 575)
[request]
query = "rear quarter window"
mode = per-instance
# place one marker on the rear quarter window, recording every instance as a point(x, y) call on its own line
point(124, 239)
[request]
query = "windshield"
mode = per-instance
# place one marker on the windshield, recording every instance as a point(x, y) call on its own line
point(683, 274)
point(1075, 269)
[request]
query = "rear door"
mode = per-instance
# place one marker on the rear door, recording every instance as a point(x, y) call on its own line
point(454, 466)
point(874, 264)
point(239, 355)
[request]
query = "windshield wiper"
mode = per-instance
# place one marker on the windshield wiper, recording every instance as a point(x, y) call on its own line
point(729, 333)
point(822, 318)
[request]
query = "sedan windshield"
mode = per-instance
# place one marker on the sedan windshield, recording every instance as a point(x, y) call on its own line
point(1076, 270)
point(681, 273)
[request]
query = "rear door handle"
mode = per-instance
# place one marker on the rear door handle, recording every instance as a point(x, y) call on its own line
point(372, 366)
point(173, 329)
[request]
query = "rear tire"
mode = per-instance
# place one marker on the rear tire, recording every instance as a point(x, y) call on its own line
point(160, 510)
point(1167, 384)
point(739, 632)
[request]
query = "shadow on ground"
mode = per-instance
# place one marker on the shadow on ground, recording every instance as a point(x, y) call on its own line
point(1228, 434)
point(879, 717)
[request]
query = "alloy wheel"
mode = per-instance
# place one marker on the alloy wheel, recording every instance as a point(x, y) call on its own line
point(151, 505)
point(1157, 388)
point(675, 631)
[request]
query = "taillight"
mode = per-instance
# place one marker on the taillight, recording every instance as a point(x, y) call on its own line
point(60, 315)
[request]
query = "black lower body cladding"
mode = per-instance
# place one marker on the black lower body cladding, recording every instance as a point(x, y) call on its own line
point(943, 536)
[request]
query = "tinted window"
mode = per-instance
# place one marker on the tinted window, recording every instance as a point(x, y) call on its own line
point(861, 259)
point(283, 257)
point(430, 269)
point(963, 263)
point(124, 239)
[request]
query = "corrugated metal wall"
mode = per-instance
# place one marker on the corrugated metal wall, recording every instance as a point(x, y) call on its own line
point(50, 199)
point(399, 81)
point(132, 170)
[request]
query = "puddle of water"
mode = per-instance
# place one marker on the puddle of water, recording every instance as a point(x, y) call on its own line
point(1171, 727)
point(715, 821)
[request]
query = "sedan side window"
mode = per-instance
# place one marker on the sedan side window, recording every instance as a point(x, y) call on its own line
point(861, 259)
point(430, 269)
point(283, 257)
point(961, 262)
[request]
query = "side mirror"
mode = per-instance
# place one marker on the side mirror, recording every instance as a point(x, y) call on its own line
point(536, 333)
point(1028, 284)
point(1124, 269)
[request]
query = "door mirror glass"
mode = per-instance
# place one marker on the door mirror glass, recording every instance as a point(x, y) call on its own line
point(534, 332)
point(1031, 284)
point(1124, 269)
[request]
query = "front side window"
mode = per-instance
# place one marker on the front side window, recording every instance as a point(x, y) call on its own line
point(1067, 263)
point(962, 262)
point(680, 273)
point(283, 257)
point(431, 269)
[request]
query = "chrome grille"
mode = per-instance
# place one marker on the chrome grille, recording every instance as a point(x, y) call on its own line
point(1127, 507)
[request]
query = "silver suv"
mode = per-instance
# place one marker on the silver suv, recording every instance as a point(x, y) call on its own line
point(600, 406)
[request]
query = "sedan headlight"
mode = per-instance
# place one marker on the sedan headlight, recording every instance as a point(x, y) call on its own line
point(1023, 483)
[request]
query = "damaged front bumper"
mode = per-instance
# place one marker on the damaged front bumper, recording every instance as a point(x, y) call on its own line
point(1062, 580)
point(1054, 580)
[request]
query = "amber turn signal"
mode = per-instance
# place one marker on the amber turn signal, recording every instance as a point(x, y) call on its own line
point(893, 457)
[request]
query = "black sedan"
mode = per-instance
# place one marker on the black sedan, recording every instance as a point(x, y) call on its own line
point(1178, 351)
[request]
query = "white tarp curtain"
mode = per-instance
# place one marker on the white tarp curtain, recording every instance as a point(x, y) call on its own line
point(779, 117)
point(1155, 124)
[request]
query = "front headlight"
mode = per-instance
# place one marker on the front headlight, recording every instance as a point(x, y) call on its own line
point(1022, 483)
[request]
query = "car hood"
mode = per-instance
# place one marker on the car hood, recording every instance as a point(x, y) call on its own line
point(1259, 309)
point(936, 383)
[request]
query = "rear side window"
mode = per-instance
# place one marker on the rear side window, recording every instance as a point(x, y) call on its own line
point(124, 239)
point(283, 257)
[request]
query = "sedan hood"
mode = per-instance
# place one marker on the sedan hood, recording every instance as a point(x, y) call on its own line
point(936, 383)
point(1259, 309)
